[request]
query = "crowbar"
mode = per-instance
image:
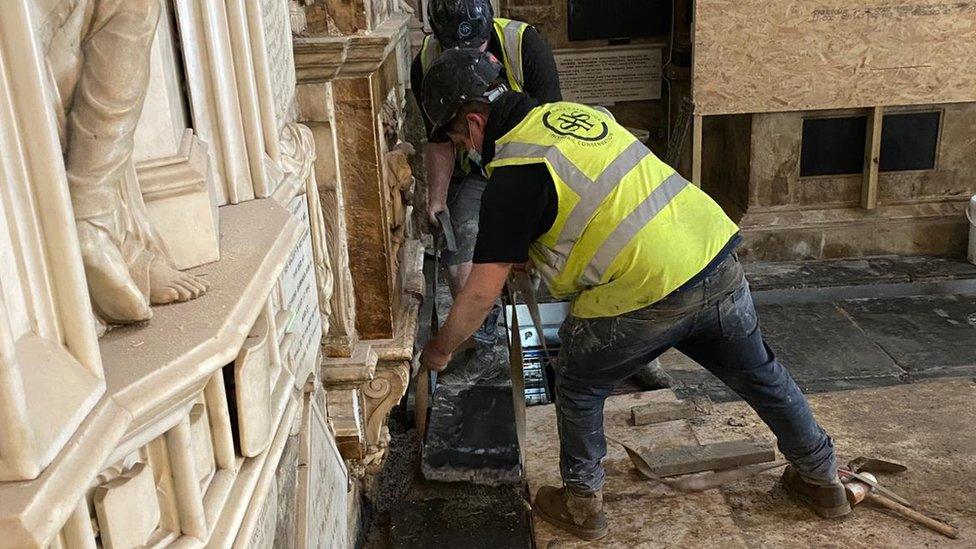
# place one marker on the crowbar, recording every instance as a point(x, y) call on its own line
point(426, 380)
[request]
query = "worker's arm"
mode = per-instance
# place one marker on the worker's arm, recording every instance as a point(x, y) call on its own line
point(439, 159)
point(470, 308)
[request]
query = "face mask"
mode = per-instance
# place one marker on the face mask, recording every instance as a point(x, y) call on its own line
point(475, 157)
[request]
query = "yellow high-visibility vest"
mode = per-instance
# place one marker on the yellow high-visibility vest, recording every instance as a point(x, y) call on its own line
point(509, 33)
point(629, 229)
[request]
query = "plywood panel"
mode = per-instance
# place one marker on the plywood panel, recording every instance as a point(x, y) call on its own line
point(762, 56)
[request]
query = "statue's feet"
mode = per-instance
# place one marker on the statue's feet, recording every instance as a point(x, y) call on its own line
point(114, 294)
point(167, 285)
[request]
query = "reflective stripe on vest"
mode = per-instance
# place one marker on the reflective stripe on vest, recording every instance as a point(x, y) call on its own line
point(509, 34)
point(629, 230)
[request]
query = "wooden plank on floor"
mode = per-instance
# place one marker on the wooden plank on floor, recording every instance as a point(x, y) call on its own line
point(659, 412)
point(872, 159)
point(721, 455)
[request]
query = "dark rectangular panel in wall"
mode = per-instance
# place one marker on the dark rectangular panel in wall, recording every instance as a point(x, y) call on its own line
point(609, 19)
point(832, 146)
point(909, 141)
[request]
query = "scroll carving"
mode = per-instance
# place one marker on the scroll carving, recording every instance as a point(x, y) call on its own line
point(382, 393)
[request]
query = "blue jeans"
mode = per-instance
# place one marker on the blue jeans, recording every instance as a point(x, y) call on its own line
point(715, 324)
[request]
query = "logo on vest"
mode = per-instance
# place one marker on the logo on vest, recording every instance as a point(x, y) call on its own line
point(576, 124)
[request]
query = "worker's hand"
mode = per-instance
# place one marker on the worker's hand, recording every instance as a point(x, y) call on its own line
point(434, 208)
point(433, 358)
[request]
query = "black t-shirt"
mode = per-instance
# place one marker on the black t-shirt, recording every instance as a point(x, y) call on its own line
point(519, 203)
point(538, 68)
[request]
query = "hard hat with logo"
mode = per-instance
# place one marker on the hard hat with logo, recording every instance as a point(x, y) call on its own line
point(456, 77)
point(461, 23)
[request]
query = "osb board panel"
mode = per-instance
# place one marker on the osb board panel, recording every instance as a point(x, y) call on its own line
point(761, 56)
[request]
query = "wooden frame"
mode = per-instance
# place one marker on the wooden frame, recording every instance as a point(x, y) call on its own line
point(872, 159)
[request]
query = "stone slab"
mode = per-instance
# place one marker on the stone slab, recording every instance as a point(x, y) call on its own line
point(766, 275)
point(926, 335)
point(641, 513)
point(926, 426)
point(710, 457)
point(660, 412)
point(832, 273)
point(819, 343)
point(929, 433)
point(471, 436)
point(927, 268)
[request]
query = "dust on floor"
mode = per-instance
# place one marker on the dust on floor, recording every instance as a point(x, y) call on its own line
point(926, 426)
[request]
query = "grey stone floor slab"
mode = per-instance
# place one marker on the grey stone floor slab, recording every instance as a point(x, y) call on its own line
point(823, 273)
point(829, 273)
point(821, 346)
point(927, 335)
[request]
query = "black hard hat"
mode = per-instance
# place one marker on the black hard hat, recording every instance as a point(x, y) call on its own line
point(461, 23)
point(456, 77)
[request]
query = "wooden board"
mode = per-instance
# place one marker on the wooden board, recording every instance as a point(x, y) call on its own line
point(710, 457)
point(761, 56)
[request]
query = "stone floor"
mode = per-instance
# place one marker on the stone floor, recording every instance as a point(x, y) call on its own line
point(927, 426)
point(866, 338)
point(848, 324)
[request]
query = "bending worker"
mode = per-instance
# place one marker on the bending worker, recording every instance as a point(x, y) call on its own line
point(455, 182)
point(648, 258)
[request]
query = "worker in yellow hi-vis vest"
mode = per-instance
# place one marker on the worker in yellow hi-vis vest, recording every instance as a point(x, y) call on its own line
point(455, 182)
point(650, 263)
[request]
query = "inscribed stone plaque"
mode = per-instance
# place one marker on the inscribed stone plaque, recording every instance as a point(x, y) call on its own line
point(277, 39)
point(600, 76)
point(301, 298)
point(327, 484)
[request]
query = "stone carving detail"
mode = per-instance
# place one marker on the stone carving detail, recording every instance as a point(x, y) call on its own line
point(400, 179)
point(98, 57)
point(127, 509)
point(398, 173)
point(298, 155)
point(382, 393)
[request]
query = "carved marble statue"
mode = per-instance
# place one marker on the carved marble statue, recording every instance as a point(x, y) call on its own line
point(98, 61)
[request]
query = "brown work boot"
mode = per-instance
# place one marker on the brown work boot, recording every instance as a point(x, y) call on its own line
point(578, 513)
point(827, 500)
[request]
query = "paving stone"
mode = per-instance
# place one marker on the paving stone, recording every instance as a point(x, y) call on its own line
point(927, 335)
point(824, 273)
point(926, 268)
point(821, 346)
point(710, 457)
point(471, 436)
point(664, 411)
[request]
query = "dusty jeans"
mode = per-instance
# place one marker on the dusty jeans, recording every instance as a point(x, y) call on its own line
point(715, 324)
